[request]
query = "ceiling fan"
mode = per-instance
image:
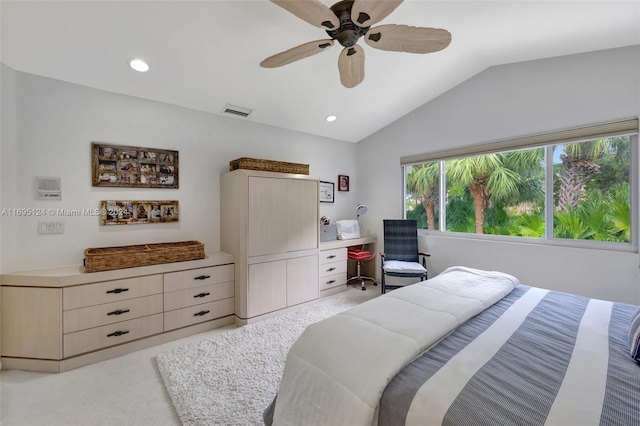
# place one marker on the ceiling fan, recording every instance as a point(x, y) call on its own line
point(347, 21)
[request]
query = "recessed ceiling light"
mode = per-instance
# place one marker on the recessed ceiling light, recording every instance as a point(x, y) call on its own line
point(138, 65)
point(331, 118)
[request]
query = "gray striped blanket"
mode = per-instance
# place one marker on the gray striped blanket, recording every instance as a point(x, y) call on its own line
point(536, 357)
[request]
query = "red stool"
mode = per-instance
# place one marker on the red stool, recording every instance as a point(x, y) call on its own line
point(360, 256)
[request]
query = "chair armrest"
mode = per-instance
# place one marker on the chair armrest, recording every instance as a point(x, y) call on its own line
point(424, 260)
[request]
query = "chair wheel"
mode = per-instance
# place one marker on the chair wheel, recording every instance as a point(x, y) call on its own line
point(364, 288)
point(375, 284)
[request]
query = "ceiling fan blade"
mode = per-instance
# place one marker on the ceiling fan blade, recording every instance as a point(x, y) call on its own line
point(403, 38)
point(368, 12)
point(296, 53)
point(351, 66)
point(312, 11)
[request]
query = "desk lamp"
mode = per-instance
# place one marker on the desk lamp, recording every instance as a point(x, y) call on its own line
point(361, 210)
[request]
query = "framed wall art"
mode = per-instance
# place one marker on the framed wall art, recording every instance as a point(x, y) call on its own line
point(138, 212)
point(343, 183)
point(326, 192)
point(127, 166)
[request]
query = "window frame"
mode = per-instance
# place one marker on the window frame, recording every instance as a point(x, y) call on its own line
point(548, 239)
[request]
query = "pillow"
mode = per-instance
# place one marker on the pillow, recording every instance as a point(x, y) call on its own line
point(634, 335)
point(399, 266)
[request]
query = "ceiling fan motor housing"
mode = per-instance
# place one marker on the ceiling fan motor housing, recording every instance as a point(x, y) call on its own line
point(349, 33)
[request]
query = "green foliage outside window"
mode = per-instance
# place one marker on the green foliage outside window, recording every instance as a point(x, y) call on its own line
point(504, 193)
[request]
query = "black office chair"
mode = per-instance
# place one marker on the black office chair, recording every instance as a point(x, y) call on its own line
point(401, 257)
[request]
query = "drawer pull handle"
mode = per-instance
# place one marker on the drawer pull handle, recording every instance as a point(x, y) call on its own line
point(118, 312)
point(202, 295)
point(331, 256)
point(330, 282)
point(202, 277)
point(117, 290)
point(201, 313)
point(330, 269)
point(117, 333)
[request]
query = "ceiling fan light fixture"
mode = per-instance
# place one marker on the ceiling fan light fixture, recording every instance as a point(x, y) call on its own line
point(138, 65)
point(346, 22)
point(331, 118)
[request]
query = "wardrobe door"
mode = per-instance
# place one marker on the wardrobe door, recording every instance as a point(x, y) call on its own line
point(267, 227)
point(302, 279)
point(302, 214)
point(267, 290)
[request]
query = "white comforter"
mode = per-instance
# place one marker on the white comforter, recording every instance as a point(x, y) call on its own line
point(337, 370)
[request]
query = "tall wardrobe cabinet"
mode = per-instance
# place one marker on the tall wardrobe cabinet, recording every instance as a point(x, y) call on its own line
point(269, 222)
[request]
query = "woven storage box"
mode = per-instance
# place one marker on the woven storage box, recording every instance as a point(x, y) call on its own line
point(108, 258)
point(268, 166)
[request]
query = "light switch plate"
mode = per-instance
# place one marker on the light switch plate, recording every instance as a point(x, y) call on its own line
point(53, 227)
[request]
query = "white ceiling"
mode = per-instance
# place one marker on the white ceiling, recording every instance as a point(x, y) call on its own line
point(205, 54)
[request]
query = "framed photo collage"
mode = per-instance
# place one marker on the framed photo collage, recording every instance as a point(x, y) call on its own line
point(117, 165)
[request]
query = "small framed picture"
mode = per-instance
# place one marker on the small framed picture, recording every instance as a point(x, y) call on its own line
point(166, 158)
point(148, 157)
point(343, 183)
point(326, 192)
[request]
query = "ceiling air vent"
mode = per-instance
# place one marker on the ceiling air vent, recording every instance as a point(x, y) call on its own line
point(237, 110)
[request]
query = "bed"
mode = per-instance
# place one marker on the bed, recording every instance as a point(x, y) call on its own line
point(468, 347)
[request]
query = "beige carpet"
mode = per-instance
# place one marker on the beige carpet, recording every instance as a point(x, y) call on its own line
point(231, 378)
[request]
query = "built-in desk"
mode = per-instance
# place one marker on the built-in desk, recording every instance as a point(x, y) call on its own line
point(334, 267)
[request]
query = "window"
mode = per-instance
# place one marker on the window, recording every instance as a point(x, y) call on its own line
point(592, 190)
point(586, 194)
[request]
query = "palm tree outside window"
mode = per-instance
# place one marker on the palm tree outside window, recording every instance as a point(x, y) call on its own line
point(506, 193)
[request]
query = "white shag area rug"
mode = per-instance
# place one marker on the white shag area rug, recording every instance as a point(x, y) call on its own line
point(231, 378)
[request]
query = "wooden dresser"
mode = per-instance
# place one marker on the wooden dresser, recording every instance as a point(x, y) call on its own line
point(54, 320)
point(335, 268)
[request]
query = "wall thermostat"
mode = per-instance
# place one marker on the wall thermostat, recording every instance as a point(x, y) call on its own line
point(49, 188)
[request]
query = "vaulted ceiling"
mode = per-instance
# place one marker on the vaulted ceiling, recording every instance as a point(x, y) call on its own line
point(205, 54)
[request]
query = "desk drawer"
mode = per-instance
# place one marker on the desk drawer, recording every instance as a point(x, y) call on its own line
point(331, 281)
point(109, 313)
point(183, 280)
point(198, 295)
point(333, 268)
point(109, 335)
point(110, 291)
point(198, 313)
point(328, 256)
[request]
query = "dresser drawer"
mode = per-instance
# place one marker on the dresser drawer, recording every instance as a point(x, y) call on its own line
point(198, 313)
point(183, 280)
point(110, 291)
point(331, 281)
point(109, 313)
point(198, 295)
point(333, 268)
point(109, 335)
point(327, 256)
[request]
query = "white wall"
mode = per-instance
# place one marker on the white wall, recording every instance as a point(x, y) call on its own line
point(55, 123)
point(505, 102)
point(7, 130)
point(7, 133)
